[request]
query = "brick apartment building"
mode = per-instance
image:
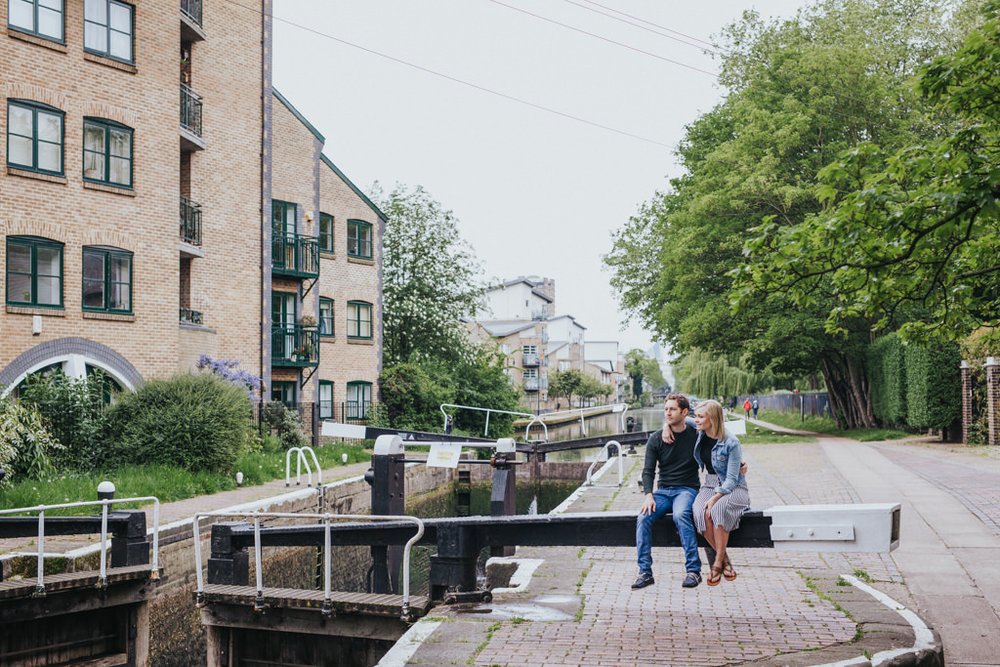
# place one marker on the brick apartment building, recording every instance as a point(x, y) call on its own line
point(159, 200)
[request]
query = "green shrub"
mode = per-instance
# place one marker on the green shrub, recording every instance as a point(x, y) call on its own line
point(412, 398)
point(26, 447)
point(197, 422)
point(887, 378)
point(933, 386)
point(75, 412)
point(285, 424)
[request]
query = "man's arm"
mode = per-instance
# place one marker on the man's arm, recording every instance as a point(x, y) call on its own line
point(648, 473)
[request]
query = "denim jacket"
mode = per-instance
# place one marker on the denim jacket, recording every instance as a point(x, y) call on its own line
point(727, 457)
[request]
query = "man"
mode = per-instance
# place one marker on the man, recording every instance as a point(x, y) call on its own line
point(755, 407)
point(747, 405)
point(672, 451)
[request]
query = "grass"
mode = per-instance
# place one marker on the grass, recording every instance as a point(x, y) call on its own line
point(165, 482)
point(763, 436)
point(827, 425)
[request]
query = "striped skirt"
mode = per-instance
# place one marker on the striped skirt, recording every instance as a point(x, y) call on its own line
point(727, 510)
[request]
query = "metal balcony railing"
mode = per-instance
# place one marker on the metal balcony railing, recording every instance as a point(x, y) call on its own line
point(529, 359)
point(188, 316)
point(190, 110)
point(192, 9)
point(295, 345)
point(531, 384)
point(190, 222)
point(295, 255)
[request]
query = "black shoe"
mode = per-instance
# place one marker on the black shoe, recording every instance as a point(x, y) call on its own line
point(643, 580)
point(690, 581)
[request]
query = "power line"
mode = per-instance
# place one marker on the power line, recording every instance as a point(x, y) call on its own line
point(655, 25)
point(453, 79)
point(701, 47)
point(605, 39)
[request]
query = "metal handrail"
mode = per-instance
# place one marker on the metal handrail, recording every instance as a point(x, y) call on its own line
point(604, 450)
point(258, 560)
point(41, 509)
point(478, 409)
point(190, 110)
point(300, 459)
point(545, 428)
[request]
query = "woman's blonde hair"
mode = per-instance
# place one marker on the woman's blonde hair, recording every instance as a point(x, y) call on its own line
point(713, 410)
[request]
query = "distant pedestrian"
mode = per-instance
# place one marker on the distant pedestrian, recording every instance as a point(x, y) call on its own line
point(723, 497)
point(755, 408)
point(747, 406)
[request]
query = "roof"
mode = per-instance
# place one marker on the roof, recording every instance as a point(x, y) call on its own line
point(309, 126)
point(518, 281)
point(554, 346)
point(501, 328)
point(559, 317)
point(603, 364)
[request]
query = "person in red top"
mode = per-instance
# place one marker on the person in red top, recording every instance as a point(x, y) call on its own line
point(747, 405)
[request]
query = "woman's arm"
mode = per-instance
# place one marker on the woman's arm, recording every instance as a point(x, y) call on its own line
point(732, 468)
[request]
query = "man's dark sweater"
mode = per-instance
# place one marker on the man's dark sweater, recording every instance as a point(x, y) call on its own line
point(676, 461)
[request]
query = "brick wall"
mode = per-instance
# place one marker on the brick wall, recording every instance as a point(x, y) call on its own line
point(993, 399)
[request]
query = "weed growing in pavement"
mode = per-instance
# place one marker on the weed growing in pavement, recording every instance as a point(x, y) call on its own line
point(867, 654)
point(580, 552)
point(483, 644)
point(843, 582)
point(579, 586)
point(811, 585)
point(517, 620)
point(863, 575)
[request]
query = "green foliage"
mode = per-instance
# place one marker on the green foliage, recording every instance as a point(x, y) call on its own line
point(933, 386)
point(285, 424)
point(887, 378)
point(642, 368)
point(413, 392)
point(26, 447)
point(709, 375)
point(567, 384)
point(75, 413)
point(431, 279)
point(196, 422)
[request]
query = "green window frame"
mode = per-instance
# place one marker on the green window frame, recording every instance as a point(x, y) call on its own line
point(359, 400)
point(34, 272)
point(42, 18)
point(36, 136)
point(326, 232)
point(107, 152)
point(325, 403)
point(359, 239)
point(326, 319)
point(107, 280)
point(109, 29)
point(284, 392)
point(359, 320)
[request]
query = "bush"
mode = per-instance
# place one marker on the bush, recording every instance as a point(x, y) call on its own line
point(285, 424)
point(887, 378)
point(26, 446)
point(197, 422)
point(74, 411)
point(411, 398)
point(933, 386)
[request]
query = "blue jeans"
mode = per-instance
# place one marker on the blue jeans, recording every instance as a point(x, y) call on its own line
point(677, 499)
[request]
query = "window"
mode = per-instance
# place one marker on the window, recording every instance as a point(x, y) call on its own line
point(34, 137)
point(38, 17)
point(359, 239)
point(284, 392)
point(325, 399)
point(107, 280)
point(34, 272)
point(107, 152)
point(107, 28)
point(359, 319)
point(325, 232)
point(529, 349)
point(359, 400)
point(326, 317)
point(530, 374)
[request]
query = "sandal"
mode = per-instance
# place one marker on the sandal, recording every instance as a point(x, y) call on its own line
point(728, 571)
point(714, 576)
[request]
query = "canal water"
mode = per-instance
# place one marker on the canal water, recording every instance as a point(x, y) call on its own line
point(646, 419)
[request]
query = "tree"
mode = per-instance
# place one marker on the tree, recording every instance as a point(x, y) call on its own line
point(912, 232)
point(431, 278)
point(801, 92)
point(712, 376)
point(567, 384)
point(642, 368)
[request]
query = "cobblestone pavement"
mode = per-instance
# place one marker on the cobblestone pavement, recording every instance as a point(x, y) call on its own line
point(783, 609)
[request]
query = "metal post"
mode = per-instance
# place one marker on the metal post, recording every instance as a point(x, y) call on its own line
point(503, 501)
point(258, 603)
point(327, 609)
point(387, 498)
point(103, 580)
point(39, 583)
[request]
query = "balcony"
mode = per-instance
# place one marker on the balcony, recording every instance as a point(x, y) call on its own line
point(295, 345)
point(190, 120)
point(191, 26)
point(529, 360)
point(190, 227)
point(188, 316)
point(531, 384)
point(295, 255)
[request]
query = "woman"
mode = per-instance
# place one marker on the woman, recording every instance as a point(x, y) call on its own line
point(724, 496)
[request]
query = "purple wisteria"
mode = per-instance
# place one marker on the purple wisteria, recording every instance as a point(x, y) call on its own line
point(229, 370)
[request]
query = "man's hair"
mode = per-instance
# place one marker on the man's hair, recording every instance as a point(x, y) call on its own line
point(682, 401)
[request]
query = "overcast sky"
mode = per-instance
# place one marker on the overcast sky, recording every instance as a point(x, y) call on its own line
point(536, 193)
